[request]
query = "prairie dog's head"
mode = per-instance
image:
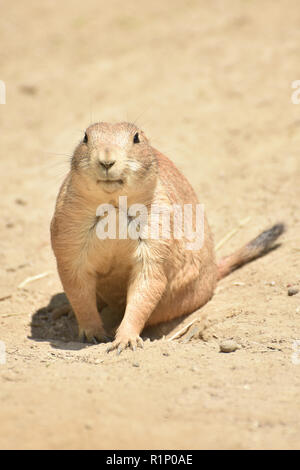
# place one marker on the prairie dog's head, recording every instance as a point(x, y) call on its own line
point(114, 156)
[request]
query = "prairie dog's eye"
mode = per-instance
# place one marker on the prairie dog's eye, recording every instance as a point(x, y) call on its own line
point(136, 138)
point(85, 139)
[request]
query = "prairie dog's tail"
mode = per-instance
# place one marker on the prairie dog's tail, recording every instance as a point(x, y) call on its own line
point(257, 247)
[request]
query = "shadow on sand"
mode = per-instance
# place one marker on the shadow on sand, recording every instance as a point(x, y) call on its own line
point(62, 331)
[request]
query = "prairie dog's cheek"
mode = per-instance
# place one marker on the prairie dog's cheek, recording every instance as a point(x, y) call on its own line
point(134, 166)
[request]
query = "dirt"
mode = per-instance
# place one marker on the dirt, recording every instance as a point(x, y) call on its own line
point(210, 83)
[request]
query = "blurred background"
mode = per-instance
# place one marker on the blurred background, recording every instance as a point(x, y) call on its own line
point(210, 83)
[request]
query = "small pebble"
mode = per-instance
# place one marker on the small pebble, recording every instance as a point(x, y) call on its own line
point(28, 89)
point(292, 291)
point(20, 201)
point(136, 364)
point(228, 346)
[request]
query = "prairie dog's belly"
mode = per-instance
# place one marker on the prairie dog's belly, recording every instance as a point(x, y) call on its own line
point(113, 261)
point(112, 289)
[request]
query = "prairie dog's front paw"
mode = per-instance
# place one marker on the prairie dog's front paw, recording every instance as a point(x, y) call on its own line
point(124, 341)
point(93, 334)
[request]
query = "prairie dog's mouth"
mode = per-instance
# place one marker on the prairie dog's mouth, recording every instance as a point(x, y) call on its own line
point(109, 181)
point(110, 185)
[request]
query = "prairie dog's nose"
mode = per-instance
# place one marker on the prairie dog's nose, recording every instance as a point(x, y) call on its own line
point(107, 164)
point(106, 157)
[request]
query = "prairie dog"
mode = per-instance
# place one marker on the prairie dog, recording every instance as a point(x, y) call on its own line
point(146, 280)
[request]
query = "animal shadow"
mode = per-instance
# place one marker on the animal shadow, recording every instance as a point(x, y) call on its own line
point(56, 323)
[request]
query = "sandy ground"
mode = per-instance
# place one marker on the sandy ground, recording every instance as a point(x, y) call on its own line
point(210, 83)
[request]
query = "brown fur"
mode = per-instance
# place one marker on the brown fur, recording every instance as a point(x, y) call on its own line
point(143, 281)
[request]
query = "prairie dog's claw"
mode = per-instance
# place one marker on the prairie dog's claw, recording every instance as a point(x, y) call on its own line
point(90, 336)
point(124, 343)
